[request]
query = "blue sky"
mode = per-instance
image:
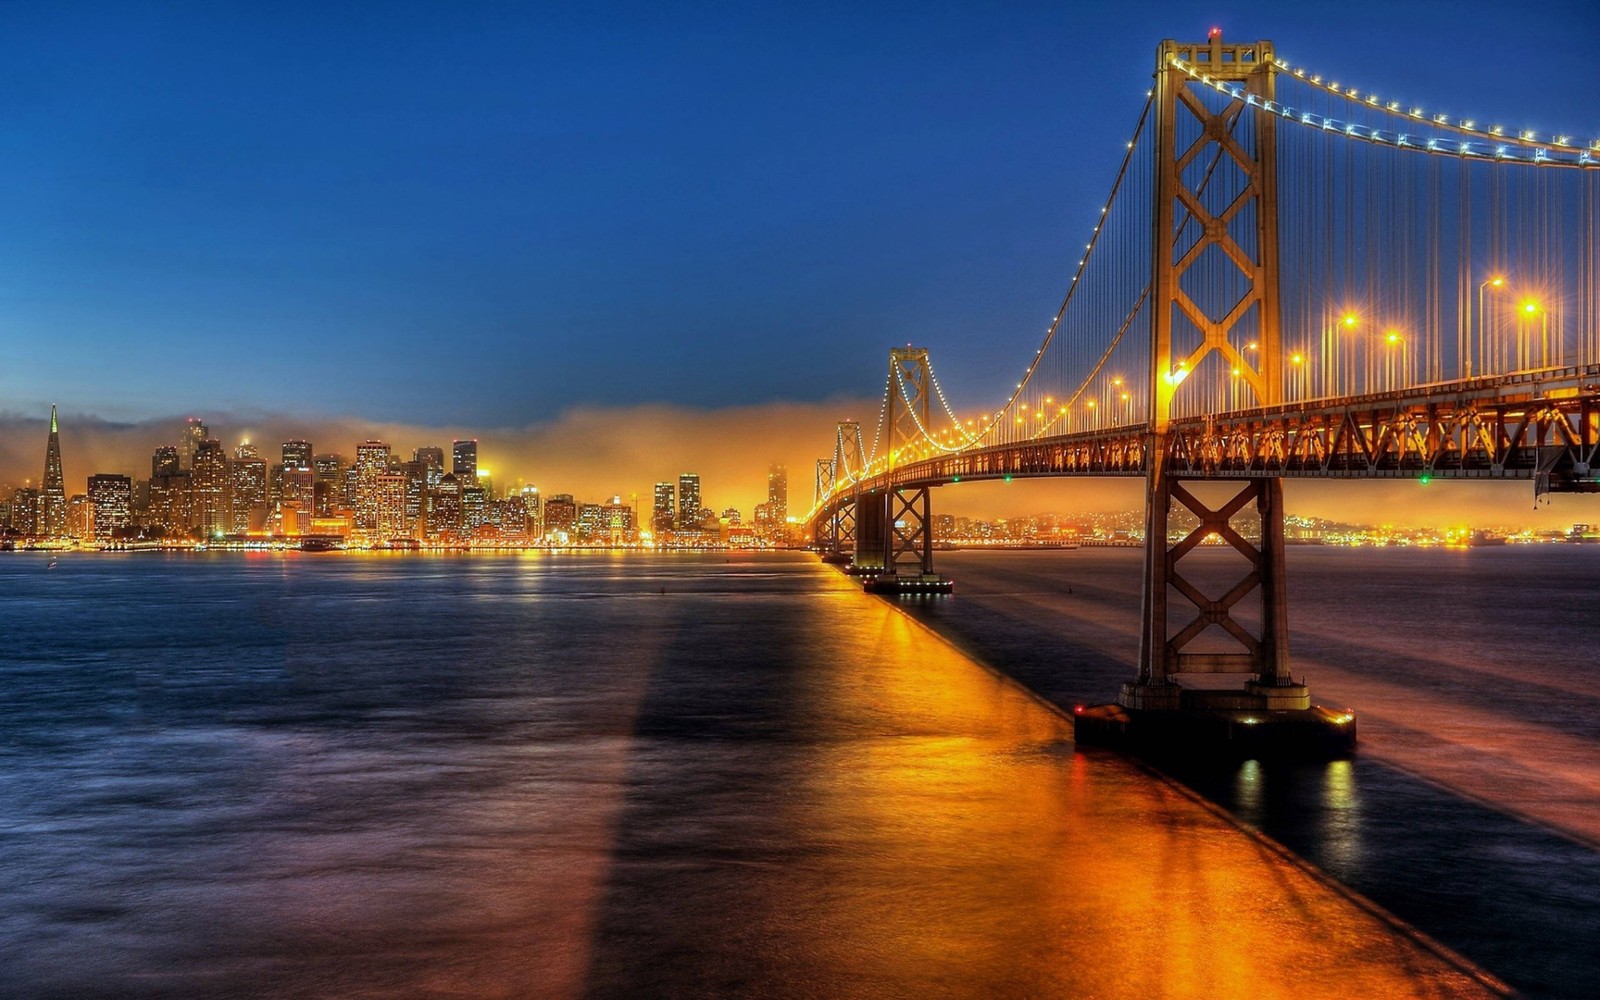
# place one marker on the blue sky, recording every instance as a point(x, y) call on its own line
point(487, 214)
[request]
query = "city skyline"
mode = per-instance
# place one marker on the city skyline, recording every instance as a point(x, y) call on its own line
point(201, 490)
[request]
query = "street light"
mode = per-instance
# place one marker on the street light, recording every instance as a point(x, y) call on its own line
point(1528, 310)
point(1395, 370)
point(1493, 281)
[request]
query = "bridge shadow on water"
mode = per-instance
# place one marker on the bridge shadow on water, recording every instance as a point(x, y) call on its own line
point(1512, 896)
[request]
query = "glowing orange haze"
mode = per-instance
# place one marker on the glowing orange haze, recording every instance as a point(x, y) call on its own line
point(593, 453)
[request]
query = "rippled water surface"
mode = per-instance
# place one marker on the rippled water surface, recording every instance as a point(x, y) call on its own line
point(606, 776)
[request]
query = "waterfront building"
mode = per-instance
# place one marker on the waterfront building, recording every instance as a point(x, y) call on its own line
point(474, 509)
point(662, 515)
point(777, 495)
point(731, 516)
point(111, 496)
point(372, 461)
point(444, 508)
point(328, 475)
point(52, 490)
point(390, 506)
point(535, 512)
point(688, 502)
point(170, 502)
point(464, 461)
point(592, 523)
point(510, 515)
point(248, 480)
point(560, 516)
point(618, 519)
point(25, 512)
point(211, 508)
point(80, 517)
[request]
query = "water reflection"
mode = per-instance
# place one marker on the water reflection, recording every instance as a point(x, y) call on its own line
point(503, 777)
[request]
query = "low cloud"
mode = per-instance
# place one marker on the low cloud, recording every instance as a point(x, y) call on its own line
point(590, 452)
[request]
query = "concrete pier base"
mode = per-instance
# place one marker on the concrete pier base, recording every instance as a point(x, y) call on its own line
point(1267, 721)
point(898, 583)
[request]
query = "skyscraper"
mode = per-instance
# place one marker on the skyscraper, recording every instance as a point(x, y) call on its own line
point(432, 460)
point(212, 509)
point(297, 454)
point(248, 480)
point(52, 492)
point(464, 461)
point(111, 497)
point(662, 516)
point(194, 432)
point(372, 461)
point(165, 462)
point(778, 494)
point(688, 502)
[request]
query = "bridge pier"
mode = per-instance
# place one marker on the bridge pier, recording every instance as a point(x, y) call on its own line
point(894, 543)
point(836, 534)
point(1213, 682)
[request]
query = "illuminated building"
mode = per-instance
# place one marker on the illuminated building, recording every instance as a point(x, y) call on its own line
point(777, 495)
point(297, 501)
point(592, 523)
point(617, 518)
point(297, 454)
point(444, 507)
point(52, 492)
point(416, 474)
point(662, 517)
point(329, 479)
point(510, 514)
point(194, 432)
point(390, 498)
point(211, 510)
point(731, 516)
point(372, 461)
point(432, 460)
point(474, 512)
point(688, 502)
point(80, 517)
point(245, 449)
point(485, 483)
point(534, 511)
point(170, 496)
point(464, 460)
point(165, 462)
point(112, 499)
point(25, 512)
point(560, 516)
point(248, 480)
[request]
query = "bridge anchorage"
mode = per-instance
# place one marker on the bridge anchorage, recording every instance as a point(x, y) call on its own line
point(1319, 284)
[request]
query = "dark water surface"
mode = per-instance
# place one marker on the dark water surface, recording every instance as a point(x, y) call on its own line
point(631, 776)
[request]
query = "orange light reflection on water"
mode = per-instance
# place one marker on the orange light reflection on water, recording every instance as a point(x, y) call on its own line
point(971, 852)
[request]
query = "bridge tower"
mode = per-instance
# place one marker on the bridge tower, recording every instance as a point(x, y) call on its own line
point(1215, 195)
point(894, 528)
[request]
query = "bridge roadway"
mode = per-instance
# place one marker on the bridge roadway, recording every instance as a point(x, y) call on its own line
point(1541, 425)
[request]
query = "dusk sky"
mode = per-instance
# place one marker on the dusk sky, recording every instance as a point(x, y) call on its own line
point(489, 216)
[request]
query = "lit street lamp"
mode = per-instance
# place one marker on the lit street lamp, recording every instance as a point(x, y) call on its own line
point(1496, 282)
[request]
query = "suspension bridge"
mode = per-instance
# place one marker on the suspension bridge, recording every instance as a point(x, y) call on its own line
point(1291, 277)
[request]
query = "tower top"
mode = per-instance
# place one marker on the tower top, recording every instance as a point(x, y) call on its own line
point(52, 418)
